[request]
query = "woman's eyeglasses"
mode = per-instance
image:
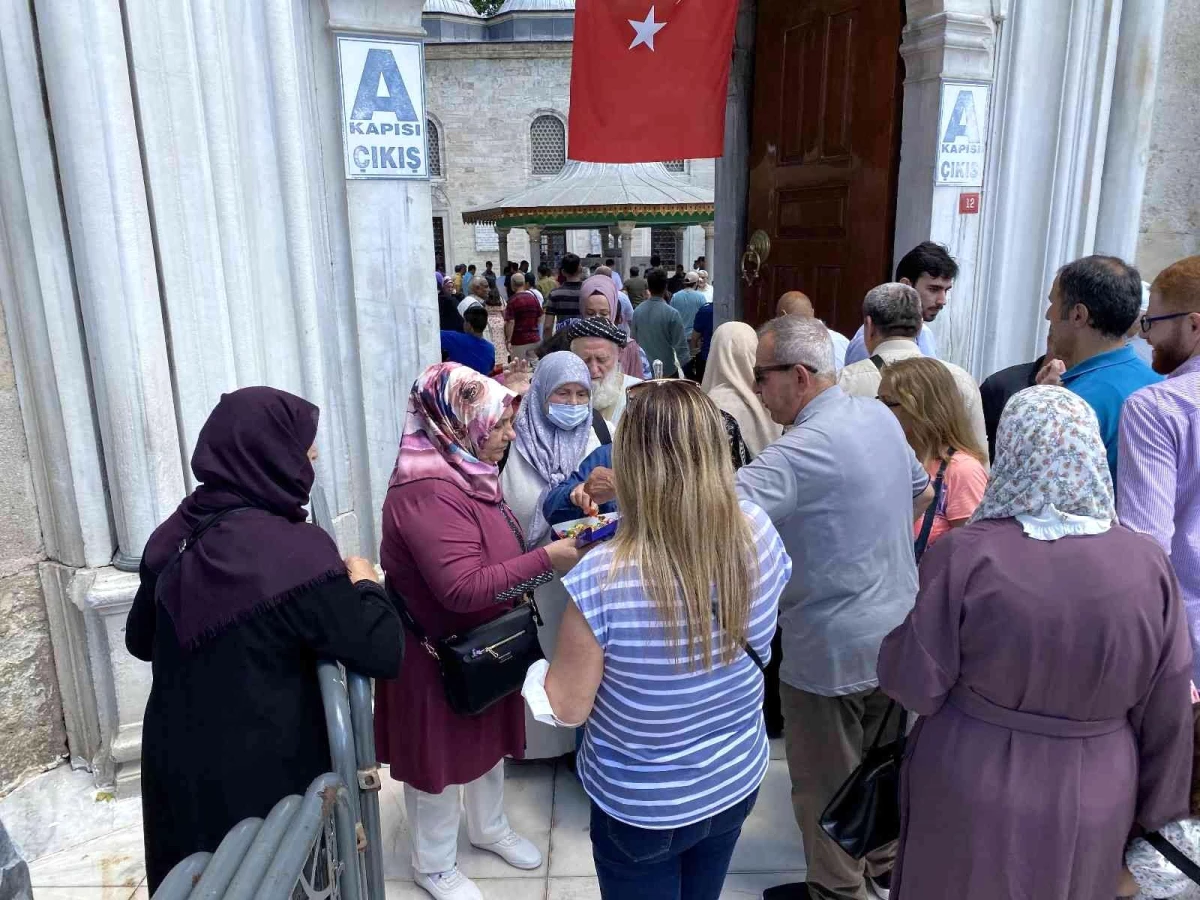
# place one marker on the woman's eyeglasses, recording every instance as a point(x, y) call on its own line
point(1148, 321)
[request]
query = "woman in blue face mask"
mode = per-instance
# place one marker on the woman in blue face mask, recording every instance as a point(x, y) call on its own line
point(555, 431)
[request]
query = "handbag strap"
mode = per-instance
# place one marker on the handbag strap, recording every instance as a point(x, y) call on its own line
point(883, 725)
point(1174, 855)
point(931, 511)
point(409, 622)
point(745, 645)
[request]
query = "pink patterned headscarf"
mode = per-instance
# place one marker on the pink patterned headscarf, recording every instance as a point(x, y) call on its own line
point(451, 411)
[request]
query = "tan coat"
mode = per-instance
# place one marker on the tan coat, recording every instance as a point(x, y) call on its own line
point(861, 379)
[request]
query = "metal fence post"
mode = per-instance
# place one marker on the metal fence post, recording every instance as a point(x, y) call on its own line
point(362, 718)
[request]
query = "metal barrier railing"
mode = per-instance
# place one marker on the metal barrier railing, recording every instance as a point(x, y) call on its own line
point(326, 844)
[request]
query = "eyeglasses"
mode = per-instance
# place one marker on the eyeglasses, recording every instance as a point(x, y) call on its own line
point(1148, 321)
point(761, 372)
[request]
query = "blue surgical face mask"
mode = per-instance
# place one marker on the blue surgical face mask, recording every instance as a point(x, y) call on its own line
point(568, 416)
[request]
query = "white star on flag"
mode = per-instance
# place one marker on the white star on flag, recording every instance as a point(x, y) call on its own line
point(646, 30)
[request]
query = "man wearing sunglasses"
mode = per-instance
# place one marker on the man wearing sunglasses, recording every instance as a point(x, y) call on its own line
point(1094, 302)
point(1158, 491)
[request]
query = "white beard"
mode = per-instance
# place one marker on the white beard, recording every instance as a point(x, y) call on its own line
point(608, 392)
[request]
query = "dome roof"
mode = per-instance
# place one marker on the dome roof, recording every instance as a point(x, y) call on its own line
point(452, 8)
point(536, 6)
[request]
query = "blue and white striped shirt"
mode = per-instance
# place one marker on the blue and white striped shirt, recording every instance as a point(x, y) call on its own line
point(668, 746)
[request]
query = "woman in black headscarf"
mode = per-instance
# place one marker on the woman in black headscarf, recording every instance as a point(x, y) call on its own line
point(239, 599)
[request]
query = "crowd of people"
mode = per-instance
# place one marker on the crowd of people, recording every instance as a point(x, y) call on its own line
point(822, 536)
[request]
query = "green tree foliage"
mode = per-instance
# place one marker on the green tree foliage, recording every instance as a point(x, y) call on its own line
point(487, 7)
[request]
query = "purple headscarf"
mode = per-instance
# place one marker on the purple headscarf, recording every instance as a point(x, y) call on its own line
point(553, 452)
point(252, 451)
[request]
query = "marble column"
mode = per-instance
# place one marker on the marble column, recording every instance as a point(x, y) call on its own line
point(42, 316)
point(733, 172)
point(390, 225)
point(535, 248)
point(626, 231)
point(680, 232)
point(104, 196)
point(1130, 126)
point(710, 234)
point(947, 40)
point(502, 233)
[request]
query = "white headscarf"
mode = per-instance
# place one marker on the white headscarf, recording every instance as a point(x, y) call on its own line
point(729, 383)
point(1051, 469)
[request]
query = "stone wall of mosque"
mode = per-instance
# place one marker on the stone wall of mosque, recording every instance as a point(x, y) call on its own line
point(31, 717)
point(1170, 222)
point(483, 99)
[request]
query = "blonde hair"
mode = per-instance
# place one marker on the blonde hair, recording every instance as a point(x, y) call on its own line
point(937, 416)
point(680, 518)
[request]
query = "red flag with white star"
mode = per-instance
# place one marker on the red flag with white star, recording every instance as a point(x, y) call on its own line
point(649, 78)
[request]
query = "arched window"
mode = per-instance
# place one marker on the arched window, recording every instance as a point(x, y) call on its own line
point(434, 139)
point(676, 165)
point(547, 145)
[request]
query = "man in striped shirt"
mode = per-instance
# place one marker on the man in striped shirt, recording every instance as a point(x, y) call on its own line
point(1159, 463)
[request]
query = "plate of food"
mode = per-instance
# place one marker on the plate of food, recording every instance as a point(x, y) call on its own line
point(589, 530)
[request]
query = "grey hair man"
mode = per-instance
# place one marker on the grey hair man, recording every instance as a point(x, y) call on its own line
point(892, 322)
point(598, 343)
point(842, 487)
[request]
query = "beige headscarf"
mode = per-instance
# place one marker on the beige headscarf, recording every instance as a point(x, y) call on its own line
point(729, 383)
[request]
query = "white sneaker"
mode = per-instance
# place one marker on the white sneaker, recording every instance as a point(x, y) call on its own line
point(452, 885)
point(515, 850)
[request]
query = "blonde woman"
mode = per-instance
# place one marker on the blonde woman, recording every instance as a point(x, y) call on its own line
point(660, 654)
point(924, 397)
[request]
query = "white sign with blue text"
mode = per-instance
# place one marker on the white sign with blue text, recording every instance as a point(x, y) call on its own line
point(383, 107)
point(962, 135)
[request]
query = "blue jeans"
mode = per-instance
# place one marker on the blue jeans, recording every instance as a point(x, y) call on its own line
point(686, 863)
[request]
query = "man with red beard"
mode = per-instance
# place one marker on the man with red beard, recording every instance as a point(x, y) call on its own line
point(1158, 487)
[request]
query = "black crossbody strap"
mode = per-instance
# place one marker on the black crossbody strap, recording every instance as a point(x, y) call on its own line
point(879, 362)
point(1174, 855)
point(931, 511)
point(600, 427)
point(755, 658)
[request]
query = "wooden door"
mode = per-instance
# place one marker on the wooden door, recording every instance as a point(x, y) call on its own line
point(824, 152)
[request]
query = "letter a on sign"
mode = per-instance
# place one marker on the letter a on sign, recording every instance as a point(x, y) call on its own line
point(381, 67)
point(963, 122)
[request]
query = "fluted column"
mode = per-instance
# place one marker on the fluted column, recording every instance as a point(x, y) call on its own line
point(103, 190)
point(535, 247)
point(626, 231)
point(502, 233)
point(710, 234)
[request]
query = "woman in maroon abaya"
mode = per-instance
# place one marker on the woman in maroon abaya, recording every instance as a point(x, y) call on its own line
point(234, 621)
point(456, 553)
point(1048, 658)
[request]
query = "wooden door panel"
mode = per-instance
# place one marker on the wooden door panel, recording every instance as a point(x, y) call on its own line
point(824, 151)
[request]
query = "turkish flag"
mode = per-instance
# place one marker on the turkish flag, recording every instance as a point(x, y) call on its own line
point(649, 78)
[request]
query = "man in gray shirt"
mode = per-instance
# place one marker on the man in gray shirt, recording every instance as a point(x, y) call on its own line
point(659, 329)
point(843, 488)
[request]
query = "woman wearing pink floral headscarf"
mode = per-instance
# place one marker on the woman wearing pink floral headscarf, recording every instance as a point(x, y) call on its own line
point(456, 553)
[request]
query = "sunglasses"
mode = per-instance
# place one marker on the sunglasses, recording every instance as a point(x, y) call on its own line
point(761, 372)
point(1148, 321)
point(655, 382)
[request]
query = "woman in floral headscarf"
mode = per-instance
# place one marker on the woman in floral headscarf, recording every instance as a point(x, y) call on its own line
point(457, 554)
point(1048, 658)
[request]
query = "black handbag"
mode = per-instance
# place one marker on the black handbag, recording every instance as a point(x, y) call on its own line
point(864, 814)
point(482, 666)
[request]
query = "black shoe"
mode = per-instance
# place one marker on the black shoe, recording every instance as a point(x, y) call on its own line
point(795, 891)
point(882, 886)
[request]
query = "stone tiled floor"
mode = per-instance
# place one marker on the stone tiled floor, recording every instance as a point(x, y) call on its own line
point(544, 803)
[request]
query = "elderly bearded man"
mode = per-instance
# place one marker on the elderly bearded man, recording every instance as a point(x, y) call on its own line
point(598, 343)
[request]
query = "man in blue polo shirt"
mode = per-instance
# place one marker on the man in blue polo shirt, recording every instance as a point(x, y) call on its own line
point(1093, 303)
point(469, 347)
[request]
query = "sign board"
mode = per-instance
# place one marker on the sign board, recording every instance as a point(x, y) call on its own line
point(968, 203)
point(962, 134)
point(486, 238)
point(383, 107)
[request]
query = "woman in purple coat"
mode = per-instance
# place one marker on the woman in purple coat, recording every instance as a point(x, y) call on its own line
point(455, 551)
point(1048, 658)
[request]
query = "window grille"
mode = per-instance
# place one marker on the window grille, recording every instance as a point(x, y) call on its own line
point(547, 145)
point(676, 165)
point(434, 140)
